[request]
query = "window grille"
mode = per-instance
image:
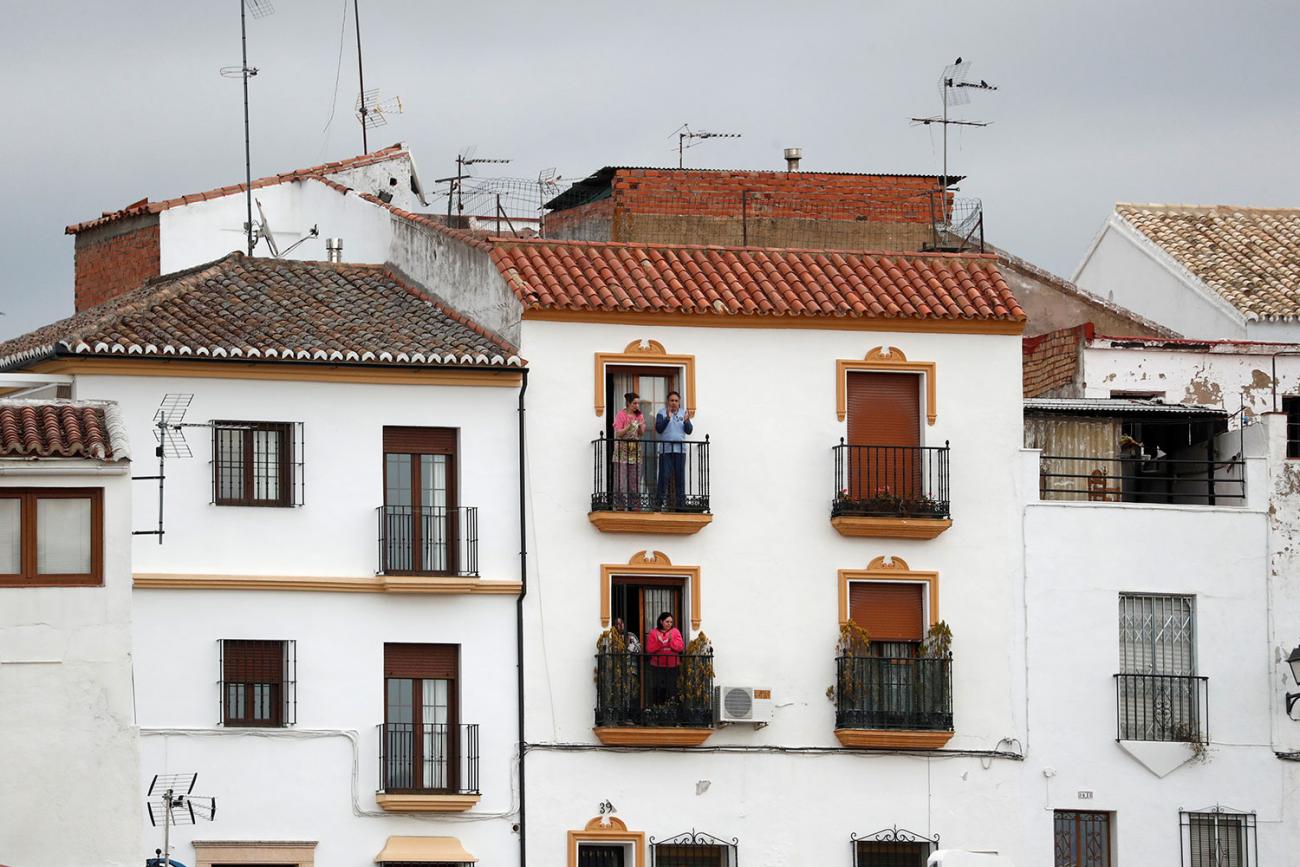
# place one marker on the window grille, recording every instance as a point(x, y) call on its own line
point(892, 847)
point(258, 682)
point(257, 463)
point(693, 849)
point(1218, 837)
point(1082, 839)
point(1160, 698)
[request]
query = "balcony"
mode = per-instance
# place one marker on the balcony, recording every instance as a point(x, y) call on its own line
point(652, 701)
point(428, 768)
point(891, 492)
point(1162, 707)
point(1142, 479)
point(893, 702)
point(648, 486)
point(428, 541)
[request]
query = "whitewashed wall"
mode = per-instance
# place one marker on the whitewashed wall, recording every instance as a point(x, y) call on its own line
point(69, 792)
point(769, 568)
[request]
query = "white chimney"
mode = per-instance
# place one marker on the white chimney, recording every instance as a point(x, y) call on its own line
point(334, 249)
point(792, 157)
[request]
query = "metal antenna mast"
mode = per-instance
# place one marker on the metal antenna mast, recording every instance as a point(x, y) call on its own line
point(258, 9)
point(372, 110)
point(170, 800)
point(685, 133)
point(954, 89)
point(361, 77)
point(463, 160)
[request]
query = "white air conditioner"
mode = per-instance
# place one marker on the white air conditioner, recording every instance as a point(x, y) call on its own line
point(743, 704)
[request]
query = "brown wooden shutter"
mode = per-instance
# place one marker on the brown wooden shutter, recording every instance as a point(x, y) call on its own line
point(889, 611)
point(253, 661)
point(421, 660)
point(420, 440)
point(884, 409)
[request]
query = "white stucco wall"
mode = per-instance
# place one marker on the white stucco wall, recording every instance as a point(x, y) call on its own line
point(69, 762)
point(769, 566)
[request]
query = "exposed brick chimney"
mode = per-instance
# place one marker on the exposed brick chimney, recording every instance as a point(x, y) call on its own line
point(115, 258)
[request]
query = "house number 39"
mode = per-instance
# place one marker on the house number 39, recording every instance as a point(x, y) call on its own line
point(606, 808)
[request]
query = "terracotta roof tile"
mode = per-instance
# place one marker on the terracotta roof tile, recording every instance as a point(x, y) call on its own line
point(573, 275)
point(272, 310)
point(61, 429)
point(1250, 256)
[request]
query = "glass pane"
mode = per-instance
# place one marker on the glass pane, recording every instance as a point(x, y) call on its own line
point(11, 536)
point(435, 733)
point(230, 464)
point(398, 480)
point(399, 700)
point(266, 464)
point(234, 701)
point(261, 701)
point(63, 536)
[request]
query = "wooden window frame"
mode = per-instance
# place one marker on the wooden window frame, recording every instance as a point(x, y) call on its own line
point(885, 569)
point(887, 359)
point(454, 553)
point(27, 575)
point(455, 748)
point(284, 471)
point(650, 564)
point(645, 353)
point(284, 687)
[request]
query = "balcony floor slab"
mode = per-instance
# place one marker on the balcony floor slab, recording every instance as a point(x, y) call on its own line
point(890, 528)
point(672, 523)
point(893, 739)
point(649, 736)
point(426, 802)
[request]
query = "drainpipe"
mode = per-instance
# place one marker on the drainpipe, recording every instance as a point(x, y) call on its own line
point(519, 626)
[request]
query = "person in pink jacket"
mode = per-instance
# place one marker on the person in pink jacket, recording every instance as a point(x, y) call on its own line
point(664, 645)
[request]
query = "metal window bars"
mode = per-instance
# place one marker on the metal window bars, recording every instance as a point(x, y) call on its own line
point(650, 475)
point(1162, 707)
point(891, 481)
point(257, 682)
point(893, 692)
point(1217, 836)
point(278, 458)
point(429, 758)
point(428, 540)
point(694, 849)
point(892, 847)
point(1081, 839)
point(642, 689)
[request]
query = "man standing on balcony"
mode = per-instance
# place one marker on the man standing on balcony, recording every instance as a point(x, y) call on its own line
point(673, 426)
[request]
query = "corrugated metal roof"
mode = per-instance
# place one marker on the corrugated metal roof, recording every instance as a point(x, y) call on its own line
point(1120, 406)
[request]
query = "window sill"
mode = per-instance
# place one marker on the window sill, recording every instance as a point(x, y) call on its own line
point(433, 802)
point(671, 523)
point(892, 739)
point(649, 736)
point(46, 581)
point(890, 528)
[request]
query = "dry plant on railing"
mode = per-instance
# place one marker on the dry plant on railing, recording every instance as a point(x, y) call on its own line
point(619, 684)
point(1185, 733)
point(853, 641)
point(938, 641)
point(695, 683)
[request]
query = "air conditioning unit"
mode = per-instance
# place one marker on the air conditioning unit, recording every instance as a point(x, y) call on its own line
point(743, 704)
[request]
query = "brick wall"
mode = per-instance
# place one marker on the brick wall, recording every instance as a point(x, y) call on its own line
point(115, 258)
point(1051, 362)
point(589, 222)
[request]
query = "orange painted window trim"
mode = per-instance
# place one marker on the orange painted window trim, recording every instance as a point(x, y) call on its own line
point(885, 359)
point(614, 832)
point(647, 353)
point(883, 569)
point(651, 564)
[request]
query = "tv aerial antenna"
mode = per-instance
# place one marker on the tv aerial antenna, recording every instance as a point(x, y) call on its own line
point(171, 801)
point(373, 110)
point(263, 232)
point(169, 430)
point(954, 90)
point(257, 9)
point(695, 138)
point(466, 159)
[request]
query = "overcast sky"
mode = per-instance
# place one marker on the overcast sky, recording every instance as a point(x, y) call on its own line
point(1149, 101)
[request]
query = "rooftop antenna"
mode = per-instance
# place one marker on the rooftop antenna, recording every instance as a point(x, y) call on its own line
point(684, 134)
point(548, 186)
point(373, 110)
point(258, 9)
point(170, 801)
point(264, 231)
point(955, 90)
point(168, 430)
point(465, 159)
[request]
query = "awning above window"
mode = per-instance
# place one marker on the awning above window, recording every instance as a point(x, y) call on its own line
point(436, 850)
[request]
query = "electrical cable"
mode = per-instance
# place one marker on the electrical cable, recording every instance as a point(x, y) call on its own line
point(810, 751)
point(338, 72)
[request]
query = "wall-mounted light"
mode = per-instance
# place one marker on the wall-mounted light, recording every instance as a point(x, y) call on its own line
point(1294, 661)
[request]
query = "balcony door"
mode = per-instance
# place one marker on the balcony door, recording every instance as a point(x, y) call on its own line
point(884, 431)
point(421, 524)
point(891, 685)
point(1158, 698)
point(653, 385)
point(421, 744)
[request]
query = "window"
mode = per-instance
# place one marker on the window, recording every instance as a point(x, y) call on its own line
point(253, 463)
point(1082, 839)
point(892, 847)
point(693, 849)
point(422, 742)
point(258, 682)
point(1291, 406)
point(423, 531)
point(1218, 837)
point(51, 536)
point(1160, 697)
point(638, 602)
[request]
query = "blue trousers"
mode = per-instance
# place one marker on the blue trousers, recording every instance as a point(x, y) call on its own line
point(671, 464)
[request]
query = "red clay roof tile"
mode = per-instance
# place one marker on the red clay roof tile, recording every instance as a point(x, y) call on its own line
point(35, 429)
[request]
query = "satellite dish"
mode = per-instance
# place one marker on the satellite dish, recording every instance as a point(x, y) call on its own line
point(264, 230)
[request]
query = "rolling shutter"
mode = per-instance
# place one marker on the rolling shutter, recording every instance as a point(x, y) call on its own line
point(438, 661)
point(884, 409)
point(252, 661)
point(889, 611)
point(420, 440)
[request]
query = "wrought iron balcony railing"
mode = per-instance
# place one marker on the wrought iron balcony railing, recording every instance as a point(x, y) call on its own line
point(1142, 479)
point(650, 475)
point(893, 692)
point(428, 758)
point(891, 481)
point(640, 689)
point(1162, 707)
point(428, 541)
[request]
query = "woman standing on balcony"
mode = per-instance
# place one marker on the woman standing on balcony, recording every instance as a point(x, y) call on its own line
point(629, 427)
point(664, 645)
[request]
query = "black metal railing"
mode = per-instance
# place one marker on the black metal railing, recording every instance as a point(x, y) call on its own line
point(893, 847)
point(1162, 707)
point(891, 481)
point(428, 758)
point(1142, 480)
point(694, 849)
point(640, 689)
point(650, 475)
point(893, 692)
point(428, 541)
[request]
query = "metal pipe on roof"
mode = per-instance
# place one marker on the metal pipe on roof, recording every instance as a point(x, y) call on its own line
point(792, 157)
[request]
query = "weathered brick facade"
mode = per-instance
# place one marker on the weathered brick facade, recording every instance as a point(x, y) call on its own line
point(116, 258)
point(1051, 362)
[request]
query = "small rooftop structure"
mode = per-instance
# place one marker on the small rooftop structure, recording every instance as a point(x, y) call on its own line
point(36, 429)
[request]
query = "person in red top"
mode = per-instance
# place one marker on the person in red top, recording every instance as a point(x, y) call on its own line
point(664, 645)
